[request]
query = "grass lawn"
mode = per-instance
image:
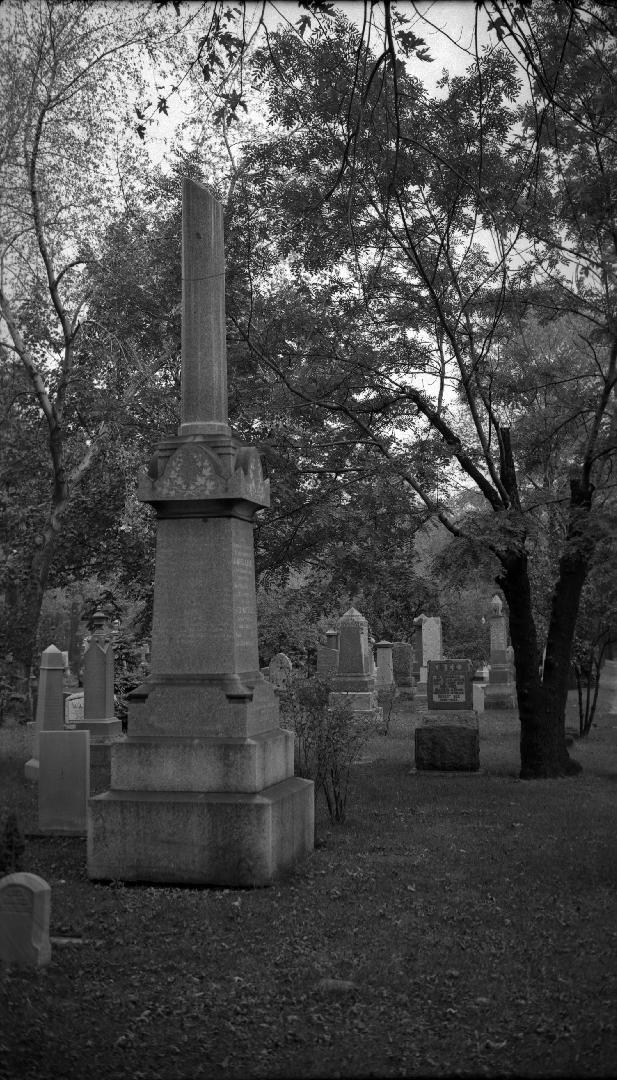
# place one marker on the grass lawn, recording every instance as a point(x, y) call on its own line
point(455, 924)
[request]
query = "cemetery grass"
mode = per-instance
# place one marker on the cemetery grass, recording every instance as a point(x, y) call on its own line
point(455, 924)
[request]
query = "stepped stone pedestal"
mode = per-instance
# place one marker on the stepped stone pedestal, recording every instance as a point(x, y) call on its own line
point(202, 789)
point(448, 741)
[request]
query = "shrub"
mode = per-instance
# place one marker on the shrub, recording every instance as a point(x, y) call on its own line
point(328, 740)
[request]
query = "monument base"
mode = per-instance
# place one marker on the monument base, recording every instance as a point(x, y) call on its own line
point(500, 696)
point(201, 838)
point(448, 741)
point(101, 731)
point(100, 763)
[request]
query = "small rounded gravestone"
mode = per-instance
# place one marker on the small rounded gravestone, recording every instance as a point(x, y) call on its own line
point(25, 907)
point(280, 671)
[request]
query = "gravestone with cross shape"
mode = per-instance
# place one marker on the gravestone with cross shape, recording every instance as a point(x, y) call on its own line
point(202, 789)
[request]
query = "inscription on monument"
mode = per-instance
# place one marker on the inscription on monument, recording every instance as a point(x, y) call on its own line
point(450, 684)
point(16, 899)
point(243, 576)
point(499, 638)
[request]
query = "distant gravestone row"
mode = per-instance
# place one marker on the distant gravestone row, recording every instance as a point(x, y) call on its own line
point(72, 734)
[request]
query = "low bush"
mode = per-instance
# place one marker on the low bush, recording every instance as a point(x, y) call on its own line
point(328, 740)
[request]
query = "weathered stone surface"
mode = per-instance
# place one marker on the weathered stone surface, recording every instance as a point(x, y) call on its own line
point(280, 671)
point(99, 672)
point(501, 690)
point(449, 684)
point(384, 675)
point(25, 906)
point(49, 704)
point(204, 348)
point(210, 764)
point(427, 644)
point(207, 838)
point(327, 660)
point(402, 663)
point(353, 644)
point(203, 788)
point(64, 782)
point(73, 709)
point(205, 617)
point(203, 705)
point(448, 741)
point(98, 694)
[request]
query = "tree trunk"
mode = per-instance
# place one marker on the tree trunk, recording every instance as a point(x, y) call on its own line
point(542, 704)
point(542, 715)
point(24, 597)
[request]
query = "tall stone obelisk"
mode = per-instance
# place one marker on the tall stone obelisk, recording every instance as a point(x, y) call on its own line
point(202, 789)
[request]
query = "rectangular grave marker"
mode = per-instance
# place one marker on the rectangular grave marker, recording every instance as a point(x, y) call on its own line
point(64, 782)
point(450, 684)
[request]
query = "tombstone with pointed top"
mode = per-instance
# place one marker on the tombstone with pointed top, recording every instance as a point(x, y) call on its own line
point(203, 788)
point(99, 718)
point(49, 704)
point(25, 907)
point(354, 683)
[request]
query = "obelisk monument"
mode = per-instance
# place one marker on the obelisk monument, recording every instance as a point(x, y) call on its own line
point(202, 788)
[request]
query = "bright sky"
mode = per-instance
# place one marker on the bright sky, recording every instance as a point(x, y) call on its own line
point(447, 27)
point(450, 49)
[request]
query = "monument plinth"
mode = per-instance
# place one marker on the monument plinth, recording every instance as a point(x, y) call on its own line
point(202, 790)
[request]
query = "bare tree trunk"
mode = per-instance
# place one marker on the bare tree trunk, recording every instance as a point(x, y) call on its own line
point(24, 598)
point(541, 707)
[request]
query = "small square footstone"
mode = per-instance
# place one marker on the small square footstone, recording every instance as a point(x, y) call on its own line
point(448, 741)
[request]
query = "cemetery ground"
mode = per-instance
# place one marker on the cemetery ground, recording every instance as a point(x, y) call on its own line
point(454, 924)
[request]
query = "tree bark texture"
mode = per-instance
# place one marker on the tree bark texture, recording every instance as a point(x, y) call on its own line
point(542, 699)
